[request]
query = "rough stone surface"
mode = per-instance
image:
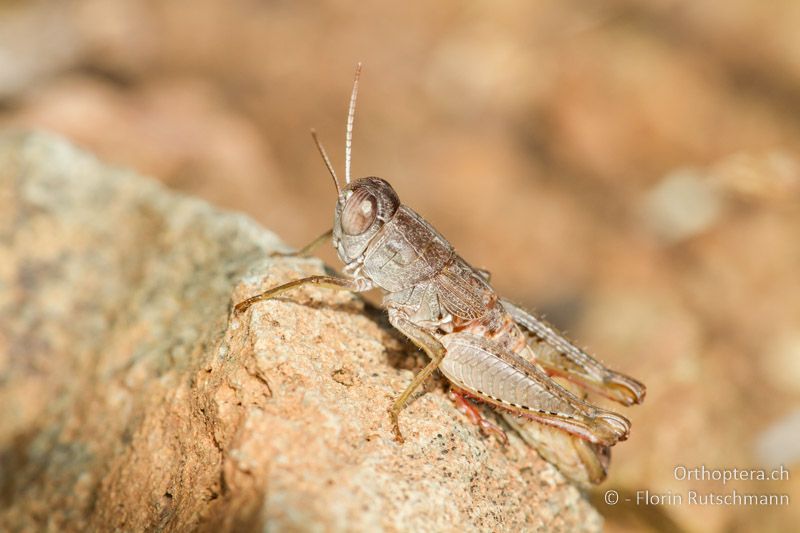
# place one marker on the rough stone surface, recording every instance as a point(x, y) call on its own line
point(131, 400)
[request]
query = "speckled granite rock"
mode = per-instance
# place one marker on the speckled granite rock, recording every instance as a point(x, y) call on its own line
point(132, 400)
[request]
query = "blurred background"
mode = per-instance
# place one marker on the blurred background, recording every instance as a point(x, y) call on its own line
point(629, 168)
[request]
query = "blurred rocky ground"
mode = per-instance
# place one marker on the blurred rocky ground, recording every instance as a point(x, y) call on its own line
point(133, 400)
point(629, 168)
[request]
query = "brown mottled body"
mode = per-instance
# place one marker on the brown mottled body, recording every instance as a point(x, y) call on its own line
point(487, 347)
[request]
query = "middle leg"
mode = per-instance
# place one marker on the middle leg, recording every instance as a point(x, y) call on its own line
point(432, 347)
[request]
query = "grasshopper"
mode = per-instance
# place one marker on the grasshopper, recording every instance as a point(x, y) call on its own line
point(488, 348)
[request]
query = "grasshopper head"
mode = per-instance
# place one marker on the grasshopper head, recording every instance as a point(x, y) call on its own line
point(364, 206)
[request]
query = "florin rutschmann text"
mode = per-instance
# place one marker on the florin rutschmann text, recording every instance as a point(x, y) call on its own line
point(702, 474)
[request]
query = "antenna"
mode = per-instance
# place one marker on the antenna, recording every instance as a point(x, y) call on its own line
point(327, 160)
point(351, 115)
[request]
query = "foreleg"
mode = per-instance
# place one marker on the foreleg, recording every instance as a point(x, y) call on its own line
point(320, 281)
point(306, 250)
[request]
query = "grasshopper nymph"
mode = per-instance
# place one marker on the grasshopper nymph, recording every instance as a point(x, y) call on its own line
point(487, 347)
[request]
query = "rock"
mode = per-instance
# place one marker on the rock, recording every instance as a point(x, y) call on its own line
point(132, 399)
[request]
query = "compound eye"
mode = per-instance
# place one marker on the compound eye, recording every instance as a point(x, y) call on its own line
point(359, 212)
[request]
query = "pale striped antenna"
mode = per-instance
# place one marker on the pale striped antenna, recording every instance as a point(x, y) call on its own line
point(351, 115)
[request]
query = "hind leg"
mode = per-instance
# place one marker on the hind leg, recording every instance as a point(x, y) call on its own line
point(488, 371)
point(473, 413)
point(559, 357)
point(581, 461)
